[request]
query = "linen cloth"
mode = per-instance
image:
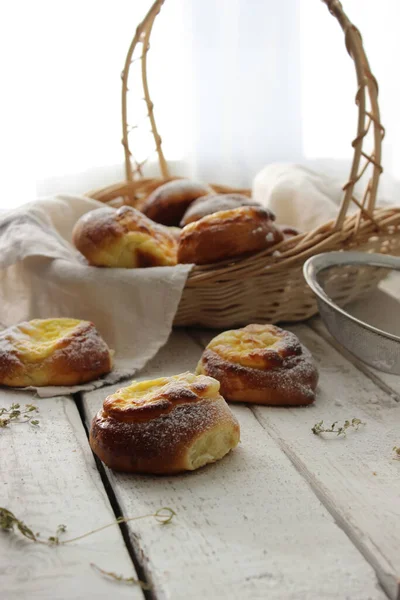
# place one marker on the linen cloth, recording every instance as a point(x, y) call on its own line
point(306, 198)
point(42, 275)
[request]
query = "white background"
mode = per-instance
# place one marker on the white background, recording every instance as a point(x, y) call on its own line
point(236, 84)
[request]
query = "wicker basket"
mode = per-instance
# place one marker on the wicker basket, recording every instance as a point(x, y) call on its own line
point(269, 286)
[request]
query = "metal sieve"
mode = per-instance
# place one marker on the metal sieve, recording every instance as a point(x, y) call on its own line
point(377, 348)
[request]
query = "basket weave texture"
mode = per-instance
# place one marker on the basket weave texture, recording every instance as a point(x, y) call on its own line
point(269, 286)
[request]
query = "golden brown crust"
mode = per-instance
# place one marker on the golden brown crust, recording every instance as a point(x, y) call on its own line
point(168, 203)
point(149, 399)
point(174, 231)
point(123, 238)
point(207, 205)
point(227, 234)
point(75, 357)
point(283, 372)
point(163, 431)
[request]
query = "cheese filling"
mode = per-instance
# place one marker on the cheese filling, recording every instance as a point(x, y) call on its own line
point(35, 340)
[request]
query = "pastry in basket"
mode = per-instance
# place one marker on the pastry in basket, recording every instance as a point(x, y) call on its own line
point(123, 238)
point(52, 352)
point(168, 203)
point(207, 205)
point(227, 234)
point(174, 231)
point(165, 425)
point(262, 364)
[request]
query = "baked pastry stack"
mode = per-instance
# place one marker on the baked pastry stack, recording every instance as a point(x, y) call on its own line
point(164, 426)
point(52, 352)
point(180, 221)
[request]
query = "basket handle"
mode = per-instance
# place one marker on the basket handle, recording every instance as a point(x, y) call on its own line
point(366, 85)
point(142, 35)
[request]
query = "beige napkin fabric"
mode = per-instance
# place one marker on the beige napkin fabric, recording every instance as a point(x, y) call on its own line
point(299, 196)
point(42, 276)
point(305, 197)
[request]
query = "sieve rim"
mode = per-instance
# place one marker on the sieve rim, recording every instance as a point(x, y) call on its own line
point(320, 262)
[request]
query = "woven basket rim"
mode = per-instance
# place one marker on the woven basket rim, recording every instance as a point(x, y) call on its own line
point(296, 248)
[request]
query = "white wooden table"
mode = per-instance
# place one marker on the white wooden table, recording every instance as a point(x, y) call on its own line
point(287, 515)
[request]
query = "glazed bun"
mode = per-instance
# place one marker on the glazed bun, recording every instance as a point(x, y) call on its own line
point(227, 234)
point(207, 205)
point(52, 352)
point(262, 364)
point(164, 426)
point(168, 203)
point(123, 238)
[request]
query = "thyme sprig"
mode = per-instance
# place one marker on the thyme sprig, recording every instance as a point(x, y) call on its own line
point(16, 414)
point(396, 450)
point(121, 578)
point(339, 430)
point(8, 521)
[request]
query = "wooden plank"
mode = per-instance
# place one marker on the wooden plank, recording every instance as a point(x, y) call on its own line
point(355, 477)
point(248, 527)
point(48, 476)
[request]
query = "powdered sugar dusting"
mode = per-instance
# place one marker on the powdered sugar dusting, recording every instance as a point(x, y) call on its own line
point(294, 380)
point(86, 349)
point(164, 440)
point(28, 359)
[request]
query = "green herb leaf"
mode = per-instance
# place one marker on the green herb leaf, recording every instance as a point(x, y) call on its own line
point(14, 413)
point(340, 430)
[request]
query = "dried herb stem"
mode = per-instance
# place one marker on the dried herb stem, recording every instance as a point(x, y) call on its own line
point(121, 578)
point(8, 521)
point(162, 518)
point(17, 415)
point(334, 428)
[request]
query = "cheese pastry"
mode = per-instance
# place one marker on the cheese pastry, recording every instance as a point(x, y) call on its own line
point(227, 234)
point(164, 426)
point(52, 352)
point(123, 238)
point(262, 364)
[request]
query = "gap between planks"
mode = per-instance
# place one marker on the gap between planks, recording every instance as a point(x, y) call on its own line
point(358, 470)
point(140, 569)
point(248, 527)
point(47, 477)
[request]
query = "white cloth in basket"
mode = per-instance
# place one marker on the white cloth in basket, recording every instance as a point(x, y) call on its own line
point(42, 276)
point(305, 197)
point(298, 196)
